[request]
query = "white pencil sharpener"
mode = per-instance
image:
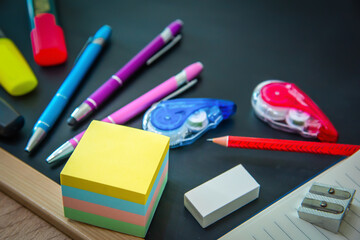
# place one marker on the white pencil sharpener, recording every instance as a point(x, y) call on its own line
point(325, 205)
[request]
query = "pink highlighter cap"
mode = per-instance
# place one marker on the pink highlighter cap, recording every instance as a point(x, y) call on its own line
point(193, 70)
point(48, 42)
point(175, 27)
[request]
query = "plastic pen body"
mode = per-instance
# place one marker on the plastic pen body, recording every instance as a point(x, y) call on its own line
point(68, 87)
point(61, 98)
point(117, 80)
point(135, 107)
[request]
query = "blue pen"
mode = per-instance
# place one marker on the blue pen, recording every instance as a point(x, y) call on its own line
point(62, 96)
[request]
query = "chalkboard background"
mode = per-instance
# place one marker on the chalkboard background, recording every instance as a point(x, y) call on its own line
point(314, 44)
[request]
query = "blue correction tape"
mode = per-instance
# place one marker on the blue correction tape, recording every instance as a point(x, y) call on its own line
point(185, 119)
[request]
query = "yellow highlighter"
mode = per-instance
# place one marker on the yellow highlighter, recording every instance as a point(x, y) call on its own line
point(16, 76)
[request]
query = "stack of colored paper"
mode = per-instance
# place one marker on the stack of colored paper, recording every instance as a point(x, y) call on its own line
point(115, 177)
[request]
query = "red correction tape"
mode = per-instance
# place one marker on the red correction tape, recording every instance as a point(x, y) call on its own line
point(284, 106)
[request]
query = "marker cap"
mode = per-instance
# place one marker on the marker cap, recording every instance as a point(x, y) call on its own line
point(48, 42)
point(16, 76)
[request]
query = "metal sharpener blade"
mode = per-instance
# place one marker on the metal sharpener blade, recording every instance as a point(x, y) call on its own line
point(326, 206)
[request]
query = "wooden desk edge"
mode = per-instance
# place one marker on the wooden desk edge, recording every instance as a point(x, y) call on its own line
point(43, 196)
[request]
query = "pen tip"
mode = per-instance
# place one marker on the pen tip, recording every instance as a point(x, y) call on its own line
point(37, 136)
point(209, 139)
point(30, 146)
point(50, 159)
point(71, 121)
point(62, 152)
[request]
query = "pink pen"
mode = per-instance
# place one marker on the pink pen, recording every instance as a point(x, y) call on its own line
point(135, 107)
point(153, 50)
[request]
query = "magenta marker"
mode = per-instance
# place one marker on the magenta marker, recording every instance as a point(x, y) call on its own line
point(145, 56)
point(135, 107)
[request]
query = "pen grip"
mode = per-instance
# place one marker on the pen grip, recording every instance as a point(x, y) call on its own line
point(292, 146)
point(75, 140)
point(51, 112)
point(112, 84)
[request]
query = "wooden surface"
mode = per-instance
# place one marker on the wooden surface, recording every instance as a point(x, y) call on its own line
point(42, 196)
point(17, 222)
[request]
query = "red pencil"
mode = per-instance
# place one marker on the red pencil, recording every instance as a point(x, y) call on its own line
point(286, 145)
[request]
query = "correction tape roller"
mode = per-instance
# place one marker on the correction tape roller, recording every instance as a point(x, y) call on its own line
point(185, 120)
point(284, 106)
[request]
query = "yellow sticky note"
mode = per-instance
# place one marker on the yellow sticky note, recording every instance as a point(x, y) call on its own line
point(116, 161)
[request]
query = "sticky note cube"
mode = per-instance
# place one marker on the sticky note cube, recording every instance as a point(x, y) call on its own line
point(221, 195)
point(115, 177)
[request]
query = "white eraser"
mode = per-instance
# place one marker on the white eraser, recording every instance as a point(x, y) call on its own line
point(221, 195)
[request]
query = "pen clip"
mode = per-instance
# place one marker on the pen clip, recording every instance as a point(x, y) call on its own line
point(179, 91)
point(83, 49)
point(164, 49)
